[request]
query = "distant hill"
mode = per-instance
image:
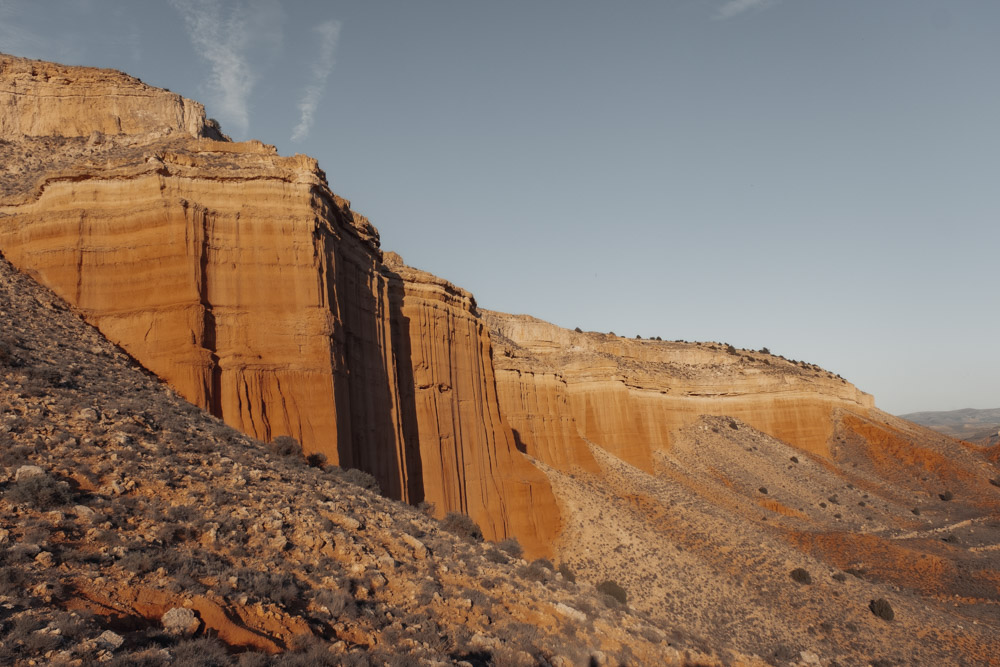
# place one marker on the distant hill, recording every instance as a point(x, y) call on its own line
point(967, 424)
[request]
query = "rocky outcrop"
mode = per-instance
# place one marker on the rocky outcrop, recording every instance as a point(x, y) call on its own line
point(238, 276)
point(558, 388)
point(41, 99)
point(451, 417)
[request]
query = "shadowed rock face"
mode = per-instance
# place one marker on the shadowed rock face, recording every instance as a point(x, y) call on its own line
point(237, 276)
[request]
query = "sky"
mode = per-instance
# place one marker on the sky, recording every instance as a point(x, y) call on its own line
point(818, 177)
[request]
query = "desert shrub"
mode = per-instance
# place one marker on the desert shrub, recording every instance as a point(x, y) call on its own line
point(204, 652)
point(995, 481)
point(253, 659)
point(71, 625)
point(361, 478)
point(12, 581)
point(794, 459)
point(544, 562)
point(730, 349)
point(8, 355)
point(578, 330)
point(946, 496)
point(535, 571)
point(784, 653)
point(40, 491)
point(763, 490)
point(494, 555)
point(511, 547)
point(338, 603)
point(275, 586)
point(316, 460)
point(285, 445)
point(40, 643)
point(840, 576)
point(138, 562)
point(882, 609)
point(613, 590)
point(462, 525)
point(801, 576)
point(567, 573)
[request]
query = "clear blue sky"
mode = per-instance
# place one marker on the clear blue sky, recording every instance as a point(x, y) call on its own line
point(821, 177)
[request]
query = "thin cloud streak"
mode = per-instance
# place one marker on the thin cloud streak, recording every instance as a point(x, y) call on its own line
point(737, 7)
point(322, 67)
point(224, 43)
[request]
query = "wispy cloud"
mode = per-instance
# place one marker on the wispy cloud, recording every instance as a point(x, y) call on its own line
point(224, 40)
point(736, 7)
point(329, 33)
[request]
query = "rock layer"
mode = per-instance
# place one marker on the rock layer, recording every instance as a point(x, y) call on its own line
point(238, 276)
point(560, 388)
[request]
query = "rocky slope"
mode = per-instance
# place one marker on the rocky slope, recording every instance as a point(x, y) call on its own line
point(136, 529)
point(241, 279)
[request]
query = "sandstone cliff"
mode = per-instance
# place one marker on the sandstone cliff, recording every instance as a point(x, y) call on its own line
point(237, 276)
point(559, 388)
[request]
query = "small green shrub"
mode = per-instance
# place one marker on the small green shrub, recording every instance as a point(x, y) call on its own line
point(613, 590)
point(567, 573)
point(946, 496)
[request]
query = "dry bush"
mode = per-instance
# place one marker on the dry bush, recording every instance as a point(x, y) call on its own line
point(801, 576)
point(40, 491)
point(882, 609)
point(286, 446)
point(462, 525)
point(613, 590)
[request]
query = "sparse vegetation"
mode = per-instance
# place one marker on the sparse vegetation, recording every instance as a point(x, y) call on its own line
point(462, 525)
point(882, 609)
point(567, 573)
point(285, 445)
point(511, 547)
point(614, 591)
point(40, 491)
point(946, 496)
point(801, 576)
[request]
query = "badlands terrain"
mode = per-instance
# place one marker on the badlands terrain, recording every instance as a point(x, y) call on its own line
point(206, 352)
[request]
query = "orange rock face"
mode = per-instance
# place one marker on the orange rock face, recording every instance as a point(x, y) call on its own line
point(558, 387)
point(238, 277)
point(467, 458)
point(40, 99)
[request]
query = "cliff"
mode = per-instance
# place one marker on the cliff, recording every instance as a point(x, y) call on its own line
point(560, 388)
point(240, 278)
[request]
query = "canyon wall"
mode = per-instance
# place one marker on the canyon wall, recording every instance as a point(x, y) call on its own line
point(560, 388)
point(237, 276)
